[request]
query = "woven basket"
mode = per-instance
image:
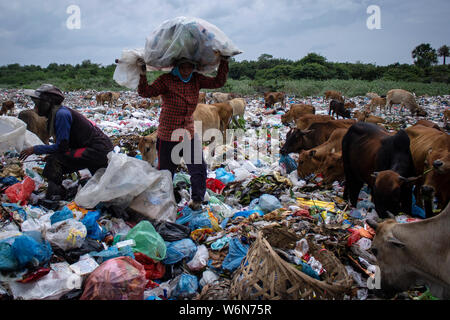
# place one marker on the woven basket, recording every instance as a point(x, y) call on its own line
point(218, 290)
point(264, 275)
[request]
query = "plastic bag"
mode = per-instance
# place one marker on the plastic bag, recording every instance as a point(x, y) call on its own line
point(21, 191)
point(178, 250)
point(200, 260)
point(89, 246)
point(8, 261)
point(124, 178)
point(94, 231)
point(184, 37)
point(31, 250)
point(288, 163)
point(12, 134)
point(61, 215)
point(148, 241)
point(241, 174)
point(208, 277)
point(186, 287)
point(268, 203)
point(127, 71)
point(153, 270)
point(116, 279)
point(111, 253)
point(59, 281)
point(171, 231)
point(236, 252)
point(219, 208)
point(224, 176)
point(67, 234)
point(157, 201)
point(215, 185)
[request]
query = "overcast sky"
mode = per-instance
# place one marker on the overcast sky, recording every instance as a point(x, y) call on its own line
point(35, 31)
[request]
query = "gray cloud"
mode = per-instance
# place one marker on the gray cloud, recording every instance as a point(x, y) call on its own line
point(34, 32)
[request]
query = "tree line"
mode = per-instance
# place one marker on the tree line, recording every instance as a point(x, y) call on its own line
point(313, 66)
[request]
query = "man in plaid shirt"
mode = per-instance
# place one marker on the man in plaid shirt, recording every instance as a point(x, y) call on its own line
point(179, 91)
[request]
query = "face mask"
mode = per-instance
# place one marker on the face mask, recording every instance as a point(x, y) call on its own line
point(176, 72)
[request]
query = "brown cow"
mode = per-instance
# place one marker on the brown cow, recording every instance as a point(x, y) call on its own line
point(219, 97)
point(7, 107)
point(296, 111)
point(365, 116)
point(332, 168)
point(316, 134)
point(115, 97)
point(446, 116)
point(35, 124)
point(270, 98)
point(429, 124)
point(349, 105)
point(147, 147)
point(377, 102)
point(331, 94)
point(372, 95)
point(311, 161)
point(101, 98)
point(225, 112)
point(430, 149)
point(415, 253)
point(305, 121)
point(372, 155)
point(405, 99)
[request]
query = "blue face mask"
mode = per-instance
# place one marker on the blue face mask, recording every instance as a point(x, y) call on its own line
point(176, 72)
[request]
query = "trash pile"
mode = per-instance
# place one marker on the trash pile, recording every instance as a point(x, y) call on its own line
point(263, 233)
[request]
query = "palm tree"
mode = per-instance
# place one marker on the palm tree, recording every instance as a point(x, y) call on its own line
point(444, 51)
point(424, 55)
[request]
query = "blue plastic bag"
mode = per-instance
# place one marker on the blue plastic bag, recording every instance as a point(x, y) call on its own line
point(248, 213)
point(186, 287)
point(236, 252)
point(199, 221)
point(94, 231)
point(225, 177)
point(112, 252)
point(8, 261)
point(61, 215)
point(269, 203)
point(16, 207)
point(288, 163)
point(187, 215)
point(8, 181)
point(366, 204)
point(178, 250)
point(220, 243)
point(416, 210)
point(30, 248)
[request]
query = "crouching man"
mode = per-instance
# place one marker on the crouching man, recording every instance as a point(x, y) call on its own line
point(79, 144)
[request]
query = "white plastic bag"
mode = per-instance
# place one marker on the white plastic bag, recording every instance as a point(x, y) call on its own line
point(12, 134)
point(157, 201)
point(124, 179)
point(127, 71)
point(66, 234)
point(186, 37)
point(208, 277)
point(200, 260)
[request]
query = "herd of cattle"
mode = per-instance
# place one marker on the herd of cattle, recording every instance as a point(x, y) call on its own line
point(355, 150)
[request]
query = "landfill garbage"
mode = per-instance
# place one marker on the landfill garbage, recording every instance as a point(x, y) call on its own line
point(322, 243)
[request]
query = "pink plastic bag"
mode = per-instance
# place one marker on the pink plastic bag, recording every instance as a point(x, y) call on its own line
point(121, 278)
point(21, 191)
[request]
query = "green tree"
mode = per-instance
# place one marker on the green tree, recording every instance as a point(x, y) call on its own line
point(444, 51)
point(424, 55)
point(313, 58)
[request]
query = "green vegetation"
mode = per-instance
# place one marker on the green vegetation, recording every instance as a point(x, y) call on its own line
point(311, 75)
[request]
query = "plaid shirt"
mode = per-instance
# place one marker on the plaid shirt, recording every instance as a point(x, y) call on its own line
point(179, 99)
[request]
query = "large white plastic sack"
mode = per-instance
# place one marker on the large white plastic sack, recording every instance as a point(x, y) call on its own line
point(200, 260)
point(12, 134)
point(157, 201)
point(187, 37)
point(123, 179)
point(31, 140)
point(127, 71)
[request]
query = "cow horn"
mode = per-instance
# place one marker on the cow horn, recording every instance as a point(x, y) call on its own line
point(390, 214)
point(372, 223)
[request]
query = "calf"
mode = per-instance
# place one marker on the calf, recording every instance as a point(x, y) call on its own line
point(331, 94)
point(338, 108)
point(430, 149)
point(219, 97)
point(377, 102)
point(371, 155)
point(405, 99)
point(270, 98)
point(305, 121)
point(350, 105)
point(35, 124)
point(416, 253)
point(238, 105)
point(213, 116)
point(296, 111)
point(147, 147)
point(7, 107)
point(365, 116)
point(372, 95)
point(316, 134)
point(101, 98)
point(115, 97)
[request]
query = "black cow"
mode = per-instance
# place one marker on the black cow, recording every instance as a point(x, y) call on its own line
point(371, 155)
point(338, 108)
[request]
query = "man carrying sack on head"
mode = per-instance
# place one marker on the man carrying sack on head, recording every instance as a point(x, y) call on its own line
point(179, 90)
point(79, 144)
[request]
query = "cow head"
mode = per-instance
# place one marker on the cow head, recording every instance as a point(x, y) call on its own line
point(387, 191)
point(295, 141)
point(308, 163)
point(332, 168)
point(147, 147)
